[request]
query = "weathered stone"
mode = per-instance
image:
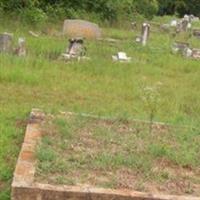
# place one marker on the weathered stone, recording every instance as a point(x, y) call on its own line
point(75, 49)
point(196, 33)
point(133, 25)
point(183, 25)
point(179, 47)
point(21, 49)
point(81, 28)
point(196, 53)
point(122, 57)
point(145, 33)
point(6, 40)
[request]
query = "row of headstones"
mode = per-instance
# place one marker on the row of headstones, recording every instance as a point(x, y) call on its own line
point(76, 47)
point(181, 25)
point(177, 47)
point(6, 45)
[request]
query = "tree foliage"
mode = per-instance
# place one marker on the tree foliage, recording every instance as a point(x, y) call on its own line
point(104, 10)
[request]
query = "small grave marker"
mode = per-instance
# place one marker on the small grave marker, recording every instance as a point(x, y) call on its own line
point(196, 53)
point(75, 49)
point(196, 33)
point(21, 49)
point(122, 57)
point(145, 33)
point(6, 40)
point(180, 47)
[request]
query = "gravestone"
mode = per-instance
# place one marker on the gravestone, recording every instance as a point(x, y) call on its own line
point(133, 26)
point(196, 53)
point(196, 33)
point(180, 47)
point(76, 47)
point(6, 41)
point(173, 23)
point(121, 57)
point(145, 33)
point(81, 28)
point(21, 49)
point(75, 50)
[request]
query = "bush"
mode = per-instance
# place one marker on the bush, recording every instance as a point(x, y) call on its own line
point(148, 8)
point(33, 15)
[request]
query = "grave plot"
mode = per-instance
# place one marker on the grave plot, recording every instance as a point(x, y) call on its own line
point(70, 156)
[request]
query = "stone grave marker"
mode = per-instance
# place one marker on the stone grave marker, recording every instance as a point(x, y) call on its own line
point(121, 57)
point(81, 28)
point(196, 53)
point(180, 47)
point(6, 41)
point(133, 26)
point(196, 33)
point(76, 49)
point(21, 49)
point(145, 33)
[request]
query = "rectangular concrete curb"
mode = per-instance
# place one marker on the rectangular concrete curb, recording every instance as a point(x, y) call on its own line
point(25, 188)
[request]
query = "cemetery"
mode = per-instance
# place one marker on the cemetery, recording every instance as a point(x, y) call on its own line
point(90, 110)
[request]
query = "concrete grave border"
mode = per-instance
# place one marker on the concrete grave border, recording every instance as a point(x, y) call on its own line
point(25, 188)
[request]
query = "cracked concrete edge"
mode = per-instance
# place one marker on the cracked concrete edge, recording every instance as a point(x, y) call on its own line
point(24, 187)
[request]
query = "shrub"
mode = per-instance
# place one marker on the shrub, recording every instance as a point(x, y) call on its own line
point(33, 15)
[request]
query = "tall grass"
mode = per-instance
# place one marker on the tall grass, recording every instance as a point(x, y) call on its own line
point(98, 86)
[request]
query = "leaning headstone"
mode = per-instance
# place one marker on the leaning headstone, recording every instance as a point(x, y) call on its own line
point(6, 41)
point(21, 49)
point(81, 28)
point(145, 33)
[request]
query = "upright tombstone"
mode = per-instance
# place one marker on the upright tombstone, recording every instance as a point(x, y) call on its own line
point(6, 40)
point(183, 25)
point(76, 47)
point(21, 49)
point(145, 33)
point(75, 50)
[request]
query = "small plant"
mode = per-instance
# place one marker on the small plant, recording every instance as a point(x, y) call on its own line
point(151, 99)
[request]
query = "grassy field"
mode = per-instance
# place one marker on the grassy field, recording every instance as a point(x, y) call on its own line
point(118, 154)
point(98, 86)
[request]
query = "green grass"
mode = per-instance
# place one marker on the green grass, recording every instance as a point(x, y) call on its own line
point(98, 86)
point(118, 154)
